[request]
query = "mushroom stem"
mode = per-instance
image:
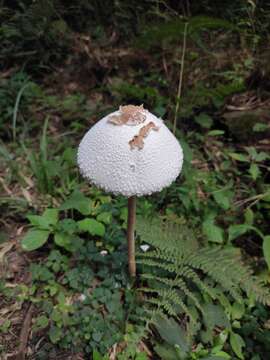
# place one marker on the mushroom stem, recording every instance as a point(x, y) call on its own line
point(130, 235)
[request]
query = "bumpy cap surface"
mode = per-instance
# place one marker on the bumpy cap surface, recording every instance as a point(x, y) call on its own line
point(130, 152)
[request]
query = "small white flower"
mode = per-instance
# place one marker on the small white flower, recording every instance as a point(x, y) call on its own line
point(103, 252)
point(144, 247)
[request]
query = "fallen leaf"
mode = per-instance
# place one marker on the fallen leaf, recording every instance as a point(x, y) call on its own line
point(4, 248)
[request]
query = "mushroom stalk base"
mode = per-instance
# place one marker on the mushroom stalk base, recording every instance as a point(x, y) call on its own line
point(130, 235)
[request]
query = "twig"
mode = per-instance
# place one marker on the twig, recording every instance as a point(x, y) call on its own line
point(25, 333)
point(254, 200)
point(179, 90)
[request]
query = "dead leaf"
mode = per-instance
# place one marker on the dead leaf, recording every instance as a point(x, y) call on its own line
point(4, 248)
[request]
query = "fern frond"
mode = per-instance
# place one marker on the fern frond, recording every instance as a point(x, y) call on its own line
point(157, 264)
point(176, 269)
point(176, 283)
point(175, 298)
point(195, 278)
point(219, 267)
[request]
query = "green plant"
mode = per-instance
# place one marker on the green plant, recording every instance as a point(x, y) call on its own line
point(81, 291)
point(186, 281)
point(255, 165)
point(52, 172)
point(80, 304)
point(40, 164)
point(65, 232)
point(16, 94)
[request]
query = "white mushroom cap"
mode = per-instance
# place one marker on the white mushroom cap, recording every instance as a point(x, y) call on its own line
point(107, 159)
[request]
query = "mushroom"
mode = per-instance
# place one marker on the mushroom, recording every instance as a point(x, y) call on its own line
point(130, 152)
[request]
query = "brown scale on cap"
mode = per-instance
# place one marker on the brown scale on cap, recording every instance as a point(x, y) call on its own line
point(129, 115)
point(137, 140)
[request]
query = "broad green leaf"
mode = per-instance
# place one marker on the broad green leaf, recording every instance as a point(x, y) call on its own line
point(239, 157)
point(214, 315)
point(254, 171)
point(63, 239)
point(141, 356)
point(241, 229)
point(97, 355)
point(249, 216)
point(213, 232)
point(221, 355)
point(124, 215)
point(51, 215)
point(105, 217)
point(223, 300)
point(37, 221)
point(238, 230)
point(237, 311)
point(215, 132)
point(222, 198)
point(266, 250)
point(237, 343)
point(48, 218)
point(172, 333)
point(169, 352)
point(91, 226)
point(104, 199)
point(79, 202)
point(34, 239)
point(67, 225)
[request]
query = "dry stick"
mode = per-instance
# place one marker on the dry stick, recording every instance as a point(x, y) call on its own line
point(25, 333)
point(130, 235)
point(179, 90)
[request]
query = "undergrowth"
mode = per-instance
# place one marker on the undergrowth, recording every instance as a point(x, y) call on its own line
point(184, 279)
point(202, 290)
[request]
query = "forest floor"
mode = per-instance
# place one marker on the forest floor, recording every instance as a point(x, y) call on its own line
point(223, 125)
